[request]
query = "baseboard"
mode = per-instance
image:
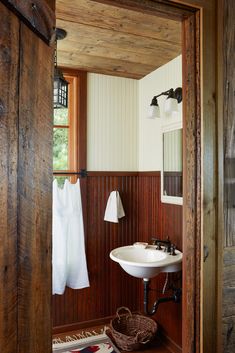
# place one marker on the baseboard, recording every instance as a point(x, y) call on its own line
point(170, 344)
point(81, 325)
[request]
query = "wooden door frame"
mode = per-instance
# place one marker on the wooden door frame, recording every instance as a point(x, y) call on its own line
point(200, 163)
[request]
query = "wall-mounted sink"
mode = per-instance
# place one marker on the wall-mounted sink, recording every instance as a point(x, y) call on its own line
point(146, 262)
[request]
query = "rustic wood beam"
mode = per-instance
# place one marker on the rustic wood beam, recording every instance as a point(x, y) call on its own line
point(159, 8)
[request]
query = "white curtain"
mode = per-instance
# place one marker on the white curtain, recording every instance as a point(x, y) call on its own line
point(69, 267)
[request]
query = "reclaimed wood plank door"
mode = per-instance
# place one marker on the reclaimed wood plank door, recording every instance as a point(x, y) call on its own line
point(26, 69)
point(9, 57)
point(34, 193)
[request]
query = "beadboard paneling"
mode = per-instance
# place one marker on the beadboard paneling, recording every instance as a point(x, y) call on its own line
point(110, 286)
point(160, 220)
point(145, 217)
point(150, 130)
point(112, 120)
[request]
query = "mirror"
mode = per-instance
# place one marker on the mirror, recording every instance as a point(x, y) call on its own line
point(172, 165)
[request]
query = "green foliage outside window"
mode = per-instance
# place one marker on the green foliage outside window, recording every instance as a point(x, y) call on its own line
point(60, 149)
point(61, 116)
point(60, 140)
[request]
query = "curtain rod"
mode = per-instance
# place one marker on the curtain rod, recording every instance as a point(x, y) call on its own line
point(83, 173)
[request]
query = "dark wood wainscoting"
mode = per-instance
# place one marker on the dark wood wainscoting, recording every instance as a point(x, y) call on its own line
point(110, 286)
point(160, 220)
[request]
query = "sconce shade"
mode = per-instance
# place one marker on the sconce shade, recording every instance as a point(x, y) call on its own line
point(60, 90)
point(154, 110)
point(171, 105)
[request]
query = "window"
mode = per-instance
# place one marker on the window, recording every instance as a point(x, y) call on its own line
point(69, 130)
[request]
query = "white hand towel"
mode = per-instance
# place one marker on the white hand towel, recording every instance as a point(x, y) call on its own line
point(114, 209)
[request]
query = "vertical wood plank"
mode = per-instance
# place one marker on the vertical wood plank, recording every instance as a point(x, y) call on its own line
point(34, 194)
point(229, 123)
point(9, 66)
point(191, 185)
point(228, 292)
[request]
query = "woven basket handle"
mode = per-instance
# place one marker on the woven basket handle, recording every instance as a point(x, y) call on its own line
point(143, 341)
point(123, 308)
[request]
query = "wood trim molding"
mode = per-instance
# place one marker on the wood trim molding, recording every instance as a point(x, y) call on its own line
point(151, 173)
point(191, 184)
point(113, 173)
point(108, 173)
point(226, 246)
point(159, 8)
point(80, 110)
point(170, 344)
point(82, 121)
point(81, 325)
point(220, 122)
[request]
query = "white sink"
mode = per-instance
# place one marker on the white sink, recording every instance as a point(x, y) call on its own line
point(146, 262)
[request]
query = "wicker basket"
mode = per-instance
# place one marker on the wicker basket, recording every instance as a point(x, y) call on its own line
point(132, 331)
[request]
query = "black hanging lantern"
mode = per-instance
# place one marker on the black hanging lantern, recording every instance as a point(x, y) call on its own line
point(60, 90)
point(60, 84)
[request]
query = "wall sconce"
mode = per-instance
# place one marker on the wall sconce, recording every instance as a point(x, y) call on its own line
point(171, 104)
point(60, 84)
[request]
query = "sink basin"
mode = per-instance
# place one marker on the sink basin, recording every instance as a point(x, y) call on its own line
point(146, 262)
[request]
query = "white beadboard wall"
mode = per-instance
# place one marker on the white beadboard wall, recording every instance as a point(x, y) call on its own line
point(112, 126)
point(150, 130)
point(120, 136)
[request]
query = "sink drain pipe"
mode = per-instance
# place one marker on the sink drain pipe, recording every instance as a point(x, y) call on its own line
point(174, 298)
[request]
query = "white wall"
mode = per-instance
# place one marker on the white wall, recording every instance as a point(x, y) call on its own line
point(120, 137)
point(150, 137)
point(112, 123)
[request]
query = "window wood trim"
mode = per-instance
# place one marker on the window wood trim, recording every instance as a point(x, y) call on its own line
point(77, 153)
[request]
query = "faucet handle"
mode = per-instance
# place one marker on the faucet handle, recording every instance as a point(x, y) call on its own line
point(154, 241)
point(159, 246)
point(172, 251)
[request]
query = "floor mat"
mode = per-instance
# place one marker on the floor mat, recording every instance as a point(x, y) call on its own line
point(93, 344)
point(79, 334)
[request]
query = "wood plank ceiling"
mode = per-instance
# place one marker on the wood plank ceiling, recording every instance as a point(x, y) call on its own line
point(114, 41)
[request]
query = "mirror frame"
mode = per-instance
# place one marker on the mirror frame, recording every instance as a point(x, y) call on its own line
point(164, 198)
